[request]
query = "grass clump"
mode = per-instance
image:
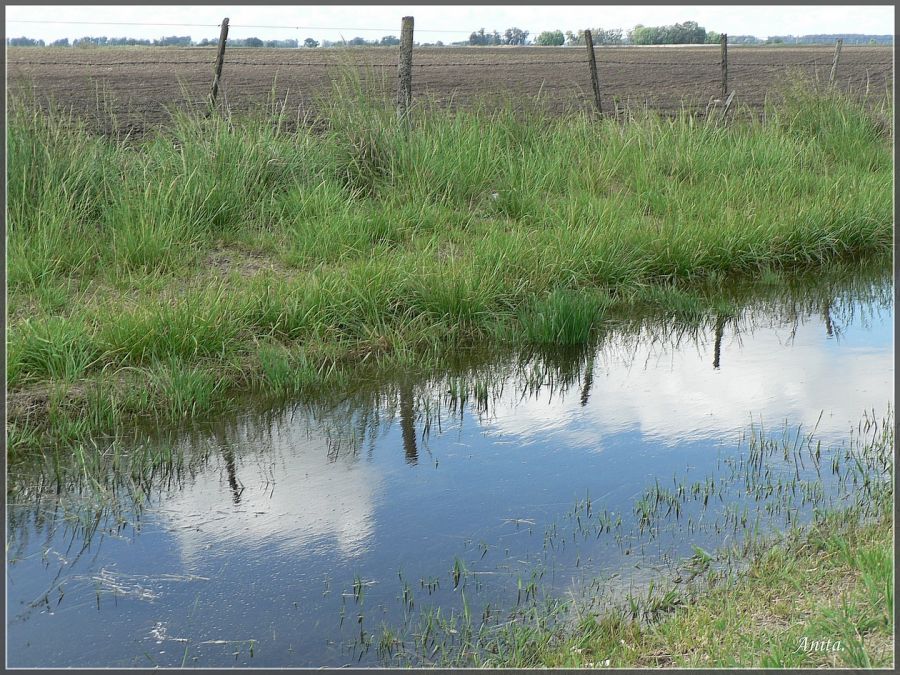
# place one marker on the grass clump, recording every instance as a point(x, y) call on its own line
point(215, 236)
point(564, 317)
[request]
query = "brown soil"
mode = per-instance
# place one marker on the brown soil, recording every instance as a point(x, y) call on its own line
point(138, 86)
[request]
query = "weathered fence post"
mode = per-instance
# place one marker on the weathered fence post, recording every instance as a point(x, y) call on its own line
point(592, 60)
point(837, 55)
point(404, 70)
point(723, 48)
point(220, 58)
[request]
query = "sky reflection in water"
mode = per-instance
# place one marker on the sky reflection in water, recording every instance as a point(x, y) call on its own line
point(265, 536)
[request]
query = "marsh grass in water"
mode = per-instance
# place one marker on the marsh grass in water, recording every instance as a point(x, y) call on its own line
point(781, 478)
point(166, 378)
point(817, 594)
point(245, 256)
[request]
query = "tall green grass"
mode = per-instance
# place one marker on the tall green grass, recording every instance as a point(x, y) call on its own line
point(359, 235)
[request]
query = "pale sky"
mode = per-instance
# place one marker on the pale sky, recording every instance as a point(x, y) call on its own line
point(435, 22)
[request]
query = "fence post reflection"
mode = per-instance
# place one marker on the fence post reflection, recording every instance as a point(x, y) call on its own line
point(407, 424)
point(228, 455)
point(717, 353)
point(826, 313)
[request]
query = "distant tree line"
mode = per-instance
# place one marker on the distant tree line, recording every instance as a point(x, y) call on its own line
point(185, 41)
point(386, 41)
point(599, 36)
point(688, 32)
point(511, 36)
point(24, 42)
point(848, 38)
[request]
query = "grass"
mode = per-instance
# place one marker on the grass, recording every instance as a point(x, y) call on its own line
point(830, 580)
point(819, 594)
point(224, 255)
point(833, 582)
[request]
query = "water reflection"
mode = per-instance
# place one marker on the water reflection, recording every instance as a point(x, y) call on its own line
point(290, 488)
point(290, 504)
point(643, 373)
point(717, 352)
point(407, 424)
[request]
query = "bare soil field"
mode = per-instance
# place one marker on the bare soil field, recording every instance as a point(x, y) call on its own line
point(139, 85)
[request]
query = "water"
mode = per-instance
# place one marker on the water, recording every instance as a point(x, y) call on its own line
point(291, 534)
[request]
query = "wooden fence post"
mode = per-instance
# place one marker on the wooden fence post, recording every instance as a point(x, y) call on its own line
point(404, 70)
point(723, 48)
point(220, 58)
point(592, 60)
point(837, 55)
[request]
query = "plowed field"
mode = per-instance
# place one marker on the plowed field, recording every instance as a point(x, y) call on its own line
point(138, 85)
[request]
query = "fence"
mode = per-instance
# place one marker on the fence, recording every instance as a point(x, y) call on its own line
point(140, 90)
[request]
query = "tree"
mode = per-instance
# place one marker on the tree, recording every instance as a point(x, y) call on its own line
point(253, 42)
point(599, 36)
point(612, 36)
point(688, 33)
point(169, 41)
point(389, 41)
point(24, 42)
point(309, 42)
point(739, 39)
point(88, 41)
point(481, 38)
point(515, 36)
point(677, 34)
point(62, 42)
point(550, 38)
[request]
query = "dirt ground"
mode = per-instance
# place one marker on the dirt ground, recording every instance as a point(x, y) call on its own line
point(139, 85)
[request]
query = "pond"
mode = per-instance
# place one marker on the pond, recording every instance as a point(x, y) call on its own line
point(369, 527)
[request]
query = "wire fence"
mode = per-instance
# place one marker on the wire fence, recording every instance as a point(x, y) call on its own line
point(142, 89)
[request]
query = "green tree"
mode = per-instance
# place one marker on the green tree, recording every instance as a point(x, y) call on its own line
point(599, 36)
point(477, 38)
point(550, 38)
point(640, 35)
point(574, 39)
point(607, 37)
point(309, 42)
point(480, 38)
point(168, 41)
point(515, 36)
point(685, 33)
point(24, 42)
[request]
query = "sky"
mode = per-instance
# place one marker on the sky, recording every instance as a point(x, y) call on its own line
point(434, 22)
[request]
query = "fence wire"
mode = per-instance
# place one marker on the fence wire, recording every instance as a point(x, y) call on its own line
point(654, 88)
point(460, 64)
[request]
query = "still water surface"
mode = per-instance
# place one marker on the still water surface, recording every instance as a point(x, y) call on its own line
point(289, 536)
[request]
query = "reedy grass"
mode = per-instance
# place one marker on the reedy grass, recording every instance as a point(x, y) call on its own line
point(456, 228)
point(830, 580)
